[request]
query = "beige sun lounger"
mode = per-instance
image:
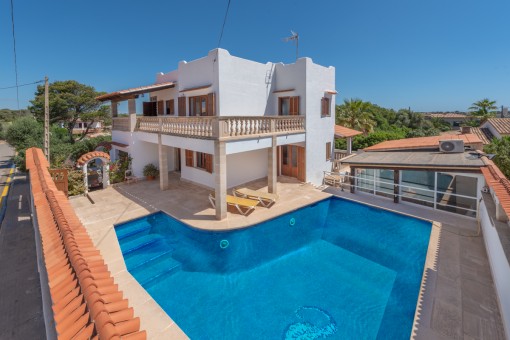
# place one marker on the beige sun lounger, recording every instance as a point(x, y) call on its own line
point(243, 205)
point(266, 199)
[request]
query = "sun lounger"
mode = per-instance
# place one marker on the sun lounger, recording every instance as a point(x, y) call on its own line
point(266, 199)
point(243, 205)
point(332, 178)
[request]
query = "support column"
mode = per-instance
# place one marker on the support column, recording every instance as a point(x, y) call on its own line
point(131, 106)
point(132, 114)
point(106, 174)
point(349, 145)
point(115, 111)
point(163, 165)
point(396, 181)
point(272, 163)
point(85, 178)
point(220, 179)
point(353, 180)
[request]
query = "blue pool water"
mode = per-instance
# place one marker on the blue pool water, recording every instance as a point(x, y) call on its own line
point(333, 270)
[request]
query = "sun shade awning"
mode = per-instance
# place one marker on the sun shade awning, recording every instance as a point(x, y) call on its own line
point(133, 92)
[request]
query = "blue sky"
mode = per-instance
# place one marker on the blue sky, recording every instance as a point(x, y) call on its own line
point(428, 55)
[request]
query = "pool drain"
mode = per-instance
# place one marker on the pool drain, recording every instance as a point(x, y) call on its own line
point(224, 244)
point(292, 221)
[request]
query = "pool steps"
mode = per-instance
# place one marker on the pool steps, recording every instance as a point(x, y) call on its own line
point(159, 267)
point(139, 242)
point(147, 256)
point(137, 259)
point(126, 231)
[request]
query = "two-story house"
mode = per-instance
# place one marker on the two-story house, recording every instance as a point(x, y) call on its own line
point(221, 121)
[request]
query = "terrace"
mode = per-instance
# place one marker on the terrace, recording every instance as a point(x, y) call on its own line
point(458, 298)
point(215, 128)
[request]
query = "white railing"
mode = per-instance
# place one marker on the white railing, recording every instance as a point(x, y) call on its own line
point(233, 127)
point(120, 124)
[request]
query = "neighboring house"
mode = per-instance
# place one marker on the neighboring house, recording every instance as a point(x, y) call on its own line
point(81, 126)
point(416, 171)
point(222, 121)
point(498, 127)
point(453, 118)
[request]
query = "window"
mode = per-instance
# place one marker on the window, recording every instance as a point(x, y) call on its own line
point(328, 151)
point(325, 107)
point(189, 158)
point(288, 106)
point(170, 110)
point(204, 161)
point(198, 106)
point(201, 160)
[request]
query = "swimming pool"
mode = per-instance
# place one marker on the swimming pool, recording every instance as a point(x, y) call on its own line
point(335, 269)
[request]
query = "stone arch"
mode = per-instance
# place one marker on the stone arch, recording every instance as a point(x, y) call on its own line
point(85, 159)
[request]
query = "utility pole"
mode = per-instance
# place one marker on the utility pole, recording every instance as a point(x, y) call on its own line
point(46, 119)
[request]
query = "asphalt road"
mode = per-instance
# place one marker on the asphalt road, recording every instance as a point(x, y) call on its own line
point(6, 154)
point(21, 314)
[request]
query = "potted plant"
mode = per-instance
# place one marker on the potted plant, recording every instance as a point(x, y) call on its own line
point(150, 171)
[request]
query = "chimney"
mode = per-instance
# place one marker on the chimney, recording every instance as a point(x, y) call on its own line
point(504, 112)
point(465, 129)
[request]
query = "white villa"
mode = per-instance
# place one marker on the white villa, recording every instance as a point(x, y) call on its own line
point(221, 121)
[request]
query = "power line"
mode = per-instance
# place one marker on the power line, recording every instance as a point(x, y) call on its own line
point(15, 59)
point(16, 86)
point(223, 26)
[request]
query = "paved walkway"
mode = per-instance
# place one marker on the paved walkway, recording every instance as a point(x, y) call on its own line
point(21, 315)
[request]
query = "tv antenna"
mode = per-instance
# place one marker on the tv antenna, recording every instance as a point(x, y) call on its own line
point(294, 37)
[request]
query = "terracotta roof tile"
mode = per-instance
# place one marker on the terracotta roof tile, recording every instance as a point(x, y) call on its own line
point(422, 142)
point(343, 132)
point(90, 155)
point(84, 296)
point(135, 90)
point(484, 134)
point(499, 184)
point(501, 125)
point(447, 115)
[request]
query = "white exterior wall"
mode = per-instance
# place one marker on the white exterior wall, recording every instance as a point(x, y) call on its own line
point(142, 154)
point(499, 265)
point(319, 130)
point(246, 166)
point(244, 88)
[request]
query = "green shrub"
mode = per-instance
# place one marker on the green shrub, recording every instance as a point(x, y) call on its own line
point(150, 170)
point(76, 186)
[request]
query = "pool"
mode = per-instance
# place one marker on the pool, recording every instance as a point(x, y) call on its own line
point(335, 269)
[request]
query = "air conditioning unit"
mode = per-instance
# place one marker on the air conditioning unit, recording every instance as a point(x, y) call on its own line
point(451, 146)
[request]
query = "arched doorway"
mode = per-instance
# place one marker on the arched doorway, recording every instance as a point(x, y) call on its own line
point(96, 168)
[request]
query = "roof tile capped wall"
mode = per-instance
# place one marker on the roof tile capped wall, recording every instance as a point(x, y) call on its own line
point(86, 302)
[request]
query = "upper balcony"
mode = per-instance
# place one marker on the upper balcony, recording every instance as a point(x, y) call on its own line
point(214, 128)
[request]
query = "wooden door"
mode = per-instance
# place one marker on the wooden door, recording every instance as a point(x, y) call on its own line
point(301, 168)
point(293, 161)
point(161, 109)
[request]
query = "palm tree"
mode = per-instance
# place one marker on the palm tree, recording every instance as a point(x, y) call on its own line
point(355, 114)
point(483, 109)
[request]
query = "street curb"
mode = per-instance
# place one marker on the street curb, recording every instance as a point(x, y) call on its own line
point(5, 194)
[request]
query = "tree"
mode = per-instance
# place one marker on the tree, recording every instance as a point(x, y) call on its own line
point(355, 114)
point(70, 101)
point(483, 109)
point(501, 148)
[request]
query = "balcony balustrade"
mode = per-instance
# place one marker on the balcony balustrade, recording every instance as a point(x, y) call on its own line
point(222, 128)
